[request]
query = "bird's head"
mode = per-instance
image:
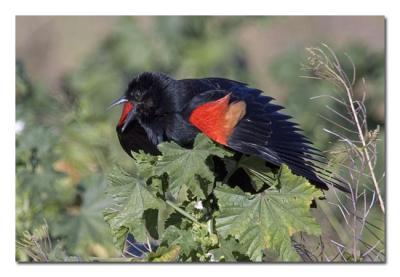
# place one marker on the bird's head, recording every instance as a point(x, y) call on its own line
point(142, 97)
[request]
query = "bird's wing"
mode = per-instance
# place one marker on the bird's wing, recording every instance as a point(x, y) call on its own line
point(246, 121)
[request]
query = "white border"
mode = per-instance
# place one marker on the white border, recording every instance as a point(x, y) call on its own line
point(200, 7)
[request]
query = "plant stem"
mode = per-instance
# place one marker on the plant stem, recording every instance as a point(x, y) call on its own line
point(340, 231)
point(210, 226)
point(365, 149)
point(339, 75)
point(182, 212)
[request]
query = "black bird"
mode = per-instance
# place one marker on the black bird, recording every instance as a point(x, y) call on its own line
point(159, 108)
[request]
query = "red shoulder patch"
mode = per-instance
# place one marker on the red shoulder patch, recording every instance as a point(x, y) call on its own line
point(128, 106)
point(217, 119)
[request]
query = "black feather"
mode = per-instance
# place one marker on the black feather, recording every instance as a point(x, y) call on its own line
point(135, 138)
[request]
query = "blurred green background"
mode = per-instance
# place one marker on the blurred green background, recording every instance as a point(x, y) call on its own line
point(69, 69)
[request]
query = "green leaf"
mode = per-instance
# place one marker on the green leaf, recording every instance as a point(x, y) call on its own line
point(257, 169)
point(184, 238)
point(228, 251)
point(187, 168)
point(145, 164)
point(131, 197)
point(268, 219)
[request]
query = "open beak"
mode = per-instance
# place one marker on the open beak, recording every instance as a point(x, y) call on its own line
point(131, 116)
point(128, 113)
point(117, 102)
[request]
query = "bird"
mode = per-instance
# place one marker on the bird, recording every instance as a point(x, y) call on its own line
point(159, 108)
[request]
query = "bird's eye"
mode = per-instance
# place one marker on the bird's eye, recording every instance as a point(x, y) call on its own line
point(138, 95)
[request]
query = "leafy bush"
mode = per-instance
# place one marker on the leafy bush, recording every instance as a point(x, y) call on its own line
point(175, 199)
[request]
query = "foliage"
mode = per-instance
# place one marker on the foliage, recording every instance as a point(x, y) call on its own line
point(267, 219)
point(132, 197)
point(50, 187)
point(174, 158)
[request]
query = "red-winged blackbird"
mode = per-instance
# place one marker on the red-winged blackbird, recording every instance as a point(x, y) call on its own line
point(159, 108)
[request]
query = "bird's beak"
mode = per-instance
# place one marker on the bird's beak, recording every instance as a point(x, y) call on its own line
point(117, 102)
point(131, 116)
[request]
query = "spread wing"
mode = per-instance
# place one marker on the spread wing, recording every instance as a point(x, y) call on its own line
point(246, 121)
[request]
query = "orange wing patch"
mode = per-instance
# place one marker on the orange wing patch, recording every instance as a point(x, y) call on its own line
point(217, 119)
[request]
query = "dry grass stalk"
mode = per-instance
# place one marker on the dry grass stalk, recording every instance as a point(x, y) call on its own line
point(328, 68)
point(358, 147)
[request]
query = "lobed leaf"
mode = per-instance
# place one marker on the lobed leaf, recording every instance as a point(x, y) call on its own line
point(187, 168)
point(184, 238)
point(268, 219)
point(229, 250)
point(131, 198)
